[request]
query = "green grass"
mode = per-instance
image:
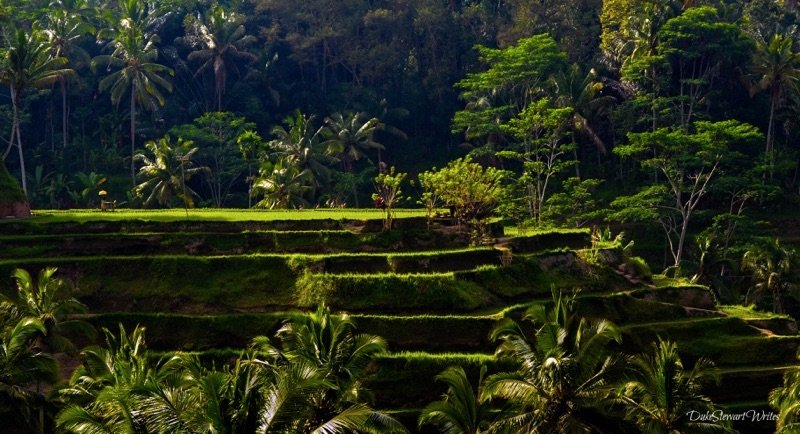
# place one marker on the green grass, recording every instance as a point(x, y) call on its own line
point(215, 214)
point(341, 242)
point(168, 331)
point(158, 283)
point(432, 292)
point(749, 312)
point(406, 379)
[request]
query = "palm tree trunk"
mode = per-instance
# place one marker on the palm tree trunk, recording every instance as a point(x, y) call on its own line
point(770, 133)
point(15, 102)
point(133, 134)
point(10, 140)
point(64, 116)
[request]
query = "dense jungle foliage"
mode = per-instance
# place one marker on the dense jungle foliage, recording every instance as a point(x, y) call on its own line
point(681, 116)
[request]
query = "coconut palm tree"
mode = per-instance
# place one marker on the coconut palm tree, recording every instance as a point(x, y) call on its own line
point(27, 64)
point(104, 393)
point(301, 145)
point(352, 136)
point(566, 371)
point(63, 29)
point(777, 66)
point(461, 410)
point(786, 399)
point(283, 185)
point(166, 172)
point(770, 264)
point(332, 344)
point(44, 299)
point(135, 57)
point(580, 90)
point(220, 40)
point(327, 348)
point(23, 367)
point(660, 395)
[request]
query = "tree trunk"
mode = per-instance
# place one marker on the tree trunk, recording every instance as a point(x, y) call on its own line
point(64, 114)
point(770, 132)
point(681, 240)
point(15, 102)
point(133, 135)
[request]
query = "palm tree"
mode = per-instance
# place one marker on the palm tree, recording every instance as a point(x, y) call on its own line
point(135, 54)
point(27, 64)
point(300, 145)
point(104, 393)
point(770, 265)
point(565, 374)
point(352, 135)
point(660, 395)
point(786, 399)
point(776, 64)
point(23, 365)
point(63, 28)
point(581, 92)
point(326, 350)
point(166, 172)
point(460, 411)
point(220, 40)
point(283, 186)
point(44, 300)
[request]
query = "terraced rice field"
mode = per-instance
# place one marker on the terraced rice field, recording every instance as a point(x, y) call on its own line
point(209, 284)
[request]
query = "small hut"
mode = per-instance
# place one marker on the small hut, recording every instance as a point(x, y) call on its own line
point(13, 203)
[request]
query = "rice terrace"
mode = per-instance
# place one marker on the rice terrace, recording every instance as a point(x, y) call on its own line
point(399, 216)
point(208, 284)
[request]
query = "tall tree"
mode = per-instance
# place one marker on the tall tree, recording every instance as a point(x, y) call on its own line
point(771, 265)
point(27, 64)
point(133, 42)
point(283, 185)
point(777, 67)
point(64, 27)
point(220, 40)
point(166, 171)
point(688, 162)
point(301, 143)
point(514, 79)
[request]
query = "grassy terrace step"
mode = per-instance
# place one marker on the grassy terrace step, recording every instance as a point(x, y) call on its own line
point(216, 243)
point(362, 263)
point(746, 383)
point(553, 239)
point(406, 380)
point(728, 341)
point(274, 282)
point(206, 220)
point(464, 333)
point(167, 331)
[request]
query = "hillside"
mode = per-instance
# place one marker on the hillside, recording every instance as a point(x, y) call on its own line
point(209, 285)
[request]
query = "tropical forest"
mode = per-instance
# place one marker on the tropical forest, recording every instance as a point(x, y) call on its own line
point(399, 216)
